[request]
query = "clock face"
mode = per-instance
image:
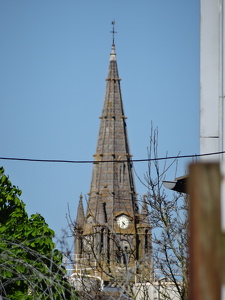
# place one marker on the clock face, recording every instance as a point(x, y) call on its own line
point(123, 222)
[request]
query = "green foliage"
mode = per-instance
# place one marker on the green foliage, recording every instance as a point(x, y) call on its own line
point(30, 266)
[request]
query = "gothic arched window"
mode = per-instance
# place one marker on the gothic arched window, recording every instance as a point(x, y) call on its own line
point(102, 240)
point(146, 241)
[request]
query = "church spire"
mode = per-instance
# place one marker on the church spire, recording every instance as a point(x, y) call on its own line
point(112, 185)
point(112, 229)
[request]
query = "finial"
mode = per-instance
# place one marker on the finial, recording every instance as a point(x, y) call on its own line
point(113, 31)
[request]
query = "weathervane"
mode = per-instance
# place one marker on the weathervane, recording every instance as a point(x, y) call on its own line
point(113, 31)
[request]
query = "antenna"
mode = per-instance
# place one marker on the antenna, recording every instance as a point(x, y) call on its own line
point(113, 31)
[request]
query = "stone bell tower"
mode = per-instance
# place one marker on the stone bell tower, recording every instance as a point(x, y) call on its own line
point(113, 236)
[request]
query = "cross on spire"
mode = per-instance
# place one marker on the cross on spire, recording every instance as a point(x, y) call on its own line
point(113, 31)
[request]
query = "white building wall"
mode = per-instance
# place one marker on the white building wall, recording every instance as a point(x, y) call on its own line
point(211, 77)
point(156, 291)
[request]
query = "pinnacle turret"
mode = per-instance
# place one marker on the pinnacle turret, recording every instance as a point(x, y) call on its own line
point(80, 213)
point(144, 212)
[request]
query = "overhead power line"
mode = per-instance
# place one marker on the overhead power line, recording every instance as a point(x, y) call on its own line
point(95, 161)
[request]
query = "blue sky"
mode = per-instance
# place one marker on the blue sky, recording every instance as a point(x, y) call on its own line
point(54, 59)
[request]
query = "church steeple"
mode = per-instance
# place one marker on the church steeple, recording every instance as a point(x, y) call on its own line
point(113, 229)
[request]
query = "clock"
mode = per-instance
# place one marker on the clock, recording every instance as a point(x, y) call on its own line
point(123, 222)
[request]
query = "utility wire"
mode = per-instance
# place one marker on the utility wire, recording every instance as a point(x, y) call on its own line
point(96, 161)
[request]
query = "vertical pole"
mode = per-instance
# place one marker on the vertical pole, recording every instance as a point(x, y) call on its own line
point(222, 168)
point(206, 238)
point(222, 203)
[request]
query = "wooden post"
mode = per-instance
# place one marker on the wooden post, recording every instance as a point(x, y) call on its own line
point(207, 241)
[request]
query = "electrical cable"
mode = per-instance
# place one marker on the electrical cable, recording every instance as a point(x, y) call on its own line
point(104, 161)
